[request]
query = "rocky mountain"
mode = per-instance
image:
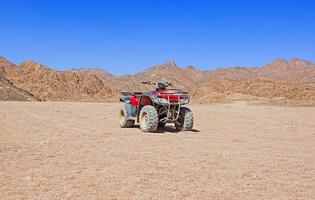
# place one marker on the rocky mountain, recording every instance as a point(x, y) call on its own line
point(183, 78)
point(257, 89)
point(7, 90)
point(6, 66)
point(294, 71)
point(47, 84)
point(106, 77)
point(281, 80)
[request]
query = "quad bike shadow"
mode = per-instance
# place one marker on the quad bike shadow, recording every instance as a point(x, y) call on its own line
point(168, 129)
point(171, 129)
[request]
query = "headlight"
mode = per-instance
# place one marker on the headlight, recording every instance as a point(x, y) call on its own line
point(184, 100)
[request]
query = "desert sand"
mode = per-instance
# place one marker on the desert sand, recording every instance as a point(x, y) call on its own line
point(55, 150)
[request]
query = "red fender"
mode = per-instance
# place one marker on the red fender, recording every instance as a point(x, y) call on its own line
point(146, 101)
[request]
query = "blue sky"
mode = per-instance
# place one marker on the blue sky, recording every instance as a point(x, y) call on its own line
point(128, 36)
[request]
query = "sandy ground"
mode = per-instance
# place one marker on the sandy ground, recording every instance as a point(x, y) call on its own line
point(52, 150)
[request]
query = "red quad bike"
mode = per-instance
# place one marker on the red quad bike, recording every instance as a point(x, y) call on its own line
point(152, 110)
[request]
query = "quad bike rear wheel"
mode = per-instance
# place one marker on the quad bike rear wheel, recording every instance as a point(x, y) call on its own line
point(148, 119)
point(123, 121)
point(185, 121)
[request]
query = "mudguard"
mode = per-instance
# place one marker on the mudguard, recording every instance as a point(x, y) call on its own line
point(125, 99)
point(131, 110)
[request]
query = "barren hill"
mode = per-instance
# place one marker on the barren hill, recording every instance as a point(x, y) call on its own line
point(183, 78)
point(257, 89)
point(281, 80)
point(47, 84)
point(180, 77)
point(106, 77)
point(294, 71)
point(7, 90)
point(6, 66)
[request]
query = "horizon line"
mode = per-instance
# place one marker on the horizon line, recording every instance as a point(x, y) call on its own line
point(158, 65)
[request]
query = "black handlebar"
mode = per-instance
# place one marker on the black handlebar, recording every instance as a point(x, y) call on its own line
point(148, 83)
point(167, 84)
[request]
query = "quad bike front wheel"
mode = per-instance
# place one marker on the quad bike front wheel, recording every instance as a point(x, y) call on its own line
point(123, 121)
point(185, 121)
point(148, 119)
